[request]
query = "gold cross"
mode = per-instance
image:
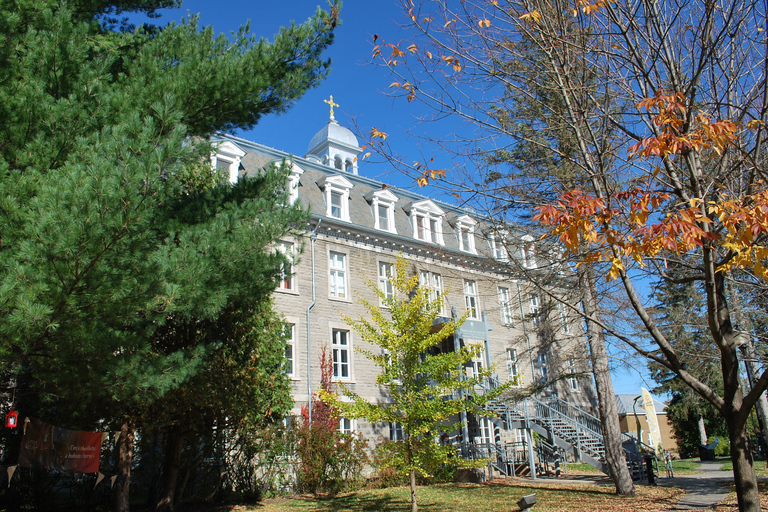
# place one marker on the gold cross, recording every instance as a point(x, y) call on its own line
point(332, 104)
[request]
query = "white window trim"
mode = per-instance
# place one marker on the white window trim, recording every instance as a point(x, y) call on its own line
point(385, 280)
point(535, 308)
point(340, 185)
point(294, 374)
point(475, 296)
point(347, 277)
point(573, 382)
point(467, 224)
point(282, 247)
point(428, 211)
point(350, 352)
point(513, 367)
point(396, 432)
point(385, 199)
point(527, 252)
point(293, 183)
point(497, 242)
point(542, 367)
point(434, 282)
point(352, 426)
point(231, 154)
point(505, 305)
point(564, 318)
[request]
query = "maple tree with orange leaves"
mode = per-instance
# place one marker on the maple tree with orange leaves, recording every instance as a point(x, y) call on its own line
point(639, 131)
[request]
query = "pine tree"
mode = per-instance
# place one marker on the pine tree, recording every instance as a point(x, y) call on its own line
point(112, 224)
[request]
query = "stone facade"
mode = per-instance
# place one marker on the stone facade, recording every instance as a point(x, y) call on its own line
point(358, 228)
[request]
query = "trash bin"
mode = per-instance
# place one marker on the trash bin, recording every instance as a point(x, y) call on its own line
point(706, 453)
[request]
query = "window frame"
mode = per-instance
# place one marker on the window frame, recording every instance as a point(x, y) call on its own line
point(334, 273)
point(337, 350)
point(498, 246)
point(286, 246)
point(336, 186)
point(535, 309)
point(472, 297)
point(290, 343)
point(513, 366)
point(528, 252)
point(427, 222)
point(434, 282)
point(386, 200)
point(465, 228)
point(385, 280)
point(347, 431)
point(563, 311)
point(573, 382)
point(505, 305)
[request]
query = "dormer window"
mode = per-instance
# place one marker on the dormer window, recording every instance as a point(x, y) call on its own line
point(527, 252)
point(383, 205)
point(427, 221)
point(226, 161)
point(293, 183)
point(465, 229)
point(498, 243)
point(336, 189)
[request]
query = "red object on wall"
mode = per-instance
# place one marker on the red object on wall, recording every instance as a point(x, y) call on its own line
point(12, 419)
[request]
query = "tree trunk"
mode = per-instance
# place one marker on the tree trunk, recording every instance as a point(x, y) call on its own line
point(124, 460)
point(702, 431)
point(743, 469)
point(609, 414)
point(414, 506)
point(171, 467)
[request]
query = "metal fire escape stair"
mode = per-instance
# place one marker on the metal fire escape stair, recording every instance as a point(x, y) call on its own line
point(562, 426)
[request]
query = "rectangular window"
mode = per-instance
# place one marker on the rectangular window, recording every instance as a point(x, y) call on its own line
point(564, 318)
point(542, 367)
point(486, 430)
point(336, 204)
point(498, 248)
point(384, 217)
point(535, 310)
point(506, 306)
point(470, 296)
point(386, 270)
point(572, 380)
point(433, 231)
point(338, 275)
point(464, 238)
point(345, 426)
point(396, 432)
point(434, 282)
point(512, 367)
point(289, 335)
point(286, 269)
point(421, 229)
point(341, 354)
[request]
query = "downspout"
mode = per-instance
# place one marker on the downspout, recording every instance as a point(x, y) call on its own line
point(528, 433)
point(525, 332)
point(312, 238)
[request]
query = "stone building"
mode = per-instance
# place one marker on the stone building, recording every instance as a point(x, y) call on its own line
point(358, 228)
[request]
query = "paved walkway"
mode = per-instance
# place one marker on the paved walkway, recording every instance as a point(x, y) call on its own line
point(702, 490)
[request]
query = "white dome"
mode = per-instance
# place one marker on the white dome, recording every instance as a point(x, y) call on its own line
point(333, 131)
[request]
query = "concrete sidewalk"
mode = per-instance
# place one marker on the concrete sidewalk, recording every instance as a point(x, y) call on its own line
point(702, 490)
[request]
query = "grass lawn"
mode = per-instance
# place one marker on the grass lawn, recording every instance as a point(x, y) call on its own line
point(760, 467)
point(490, 497)
point(681, 467)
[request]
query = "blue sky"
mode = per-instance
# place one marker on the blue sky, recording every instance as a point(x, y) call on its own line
point(357, 86)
